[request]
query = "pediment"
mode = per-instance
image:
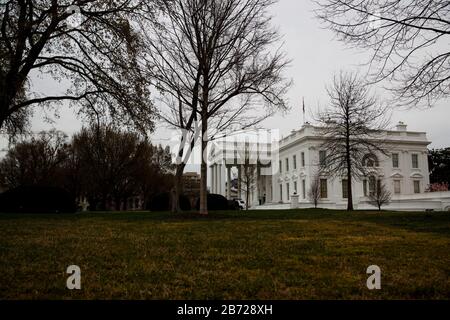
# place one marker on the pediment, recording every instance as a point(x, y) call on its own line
point(396, 175)
point(416, 175)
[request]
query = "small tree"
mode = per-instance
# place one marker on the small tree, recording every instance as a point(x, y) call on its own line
point(381, 196)
point(247, 179)
point(314, 190)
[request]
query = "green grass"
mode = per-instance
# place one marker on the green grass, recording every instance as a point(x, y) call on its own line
point(292, 254)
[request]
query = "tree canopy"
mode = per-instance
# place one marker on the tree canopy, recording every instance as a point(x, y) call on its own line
point(89, 47)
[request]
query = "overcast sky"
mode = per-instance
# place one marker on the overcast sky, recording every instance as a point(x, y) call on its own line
point(315, 56)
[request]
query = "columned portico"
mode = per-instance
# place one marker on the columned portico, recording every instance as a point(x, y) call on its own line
point(228, 173)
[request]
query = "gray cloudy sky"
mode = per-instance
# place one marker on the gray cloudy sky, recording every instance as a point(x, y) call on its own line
point(316, 56)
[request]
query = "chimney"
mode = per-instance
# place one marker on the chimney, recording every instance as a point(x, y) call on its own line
point(401, 126)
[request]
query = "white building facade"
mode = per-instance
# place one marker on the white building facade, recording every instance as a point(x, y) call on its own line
point(294, 163)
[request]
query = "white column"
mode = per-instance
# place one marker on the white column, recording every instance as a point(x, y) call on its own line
point(228, 182)
point(213, 178)
point(220, 191)
point(256, 193)
point(219, 179)
point(216, 173)
point(239, 182)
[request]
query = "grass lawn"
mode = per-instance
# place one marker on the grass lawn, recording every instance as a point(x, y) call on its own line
point(292, 254)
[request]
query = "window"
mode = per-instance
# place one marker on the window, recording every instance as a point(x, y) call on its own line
point(323, 188)
point(281, 193)
point(280, 166)
point(344, 189)
point(415, 161)
point(416, 186)
point(295, 161)
point(304, 188)
point(370, 160)
point(287, 190)
point(372, 185)
point(395, 160)
point(397, 187)
point(322, 157)
point(303, 159)
point(287, 164)
point(295, 187)
point(365, 187)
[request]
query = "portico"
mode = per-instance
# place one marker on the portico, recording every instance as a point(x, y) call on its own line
point(238, 168)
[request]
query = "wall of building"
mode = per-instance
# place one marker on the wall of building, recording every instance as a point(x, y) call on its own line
point(308, 140)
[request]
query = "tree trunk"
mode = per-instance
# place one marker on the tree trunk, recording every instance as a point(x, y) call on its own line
point(117, 203)
point(349, 191)
point(349, 165)
point(204, 167)
point(247, 196)
point(177, 188)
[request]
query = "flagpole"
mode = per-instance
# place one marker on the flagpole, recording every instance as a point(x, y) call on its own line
point(303, 110)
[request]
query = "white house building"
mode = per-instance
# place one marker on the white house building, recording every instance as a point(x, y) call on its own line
point(284, 171)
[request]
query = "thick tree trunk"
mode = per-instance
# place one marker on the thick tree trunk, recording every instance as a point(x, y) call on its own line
point(204, 167)
point(177, 188)
point(349, 191)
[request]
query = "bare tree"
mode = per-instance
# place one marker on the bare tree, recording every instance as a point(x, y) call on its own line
point(38, 161)
point(89, 47)
point(248, 179)
point(173, 66)
point(248, 172)
point(314, 190)
point(225, 67)
point(381, 196)
point(408, 41)
point(115, 164)
point(351, 129)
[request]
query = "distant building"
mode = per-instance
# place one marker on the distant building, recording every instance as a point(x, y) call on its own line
point(191, 186)
point(404, 171)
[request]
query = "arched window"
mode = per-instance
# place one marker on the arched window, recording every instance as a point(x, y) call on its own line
point(370, 160)
point(374, 185)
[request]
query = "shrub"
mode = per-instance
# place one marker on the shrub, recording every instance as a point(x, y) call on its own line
point(437, 186)
point(37, 199)
point(233, 205)
point(162, 202)
point(215, 202)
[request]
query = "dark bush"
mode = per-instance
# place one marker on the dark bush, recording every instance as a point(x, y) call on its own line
point(37, 199)
point(161, 202)
point(215, 202)
point(233, 205)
